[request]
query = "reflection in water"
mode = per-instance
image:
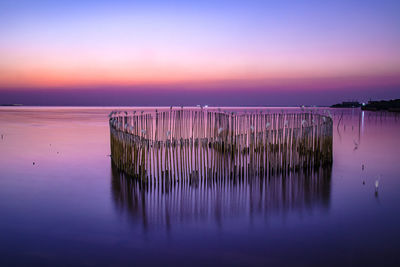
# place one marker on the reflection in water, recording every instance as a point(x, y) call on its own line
point(353, 123)
point(218, 200)
point(62, 209)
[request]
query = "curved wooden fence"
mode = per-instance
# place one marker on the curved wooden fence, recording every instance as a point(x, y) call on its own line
point(182, 144)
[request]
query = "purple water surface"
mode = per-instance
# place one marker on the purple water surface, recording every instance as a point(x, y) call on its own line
point(63, 203)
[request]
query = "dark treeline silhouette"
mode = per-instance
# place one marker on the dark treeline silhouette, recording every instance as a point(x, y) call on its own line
point(390, 105)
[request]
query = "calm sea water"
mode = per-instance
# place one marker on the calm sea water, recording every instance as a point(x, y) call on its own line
point(63, 203)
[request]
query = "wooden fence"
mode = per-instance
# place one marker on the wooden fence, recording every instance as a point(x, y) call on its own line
point(183, 144)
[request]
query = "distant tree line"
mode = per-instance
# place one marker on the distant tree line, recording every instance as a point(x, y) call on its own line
point(390, 105)
point(348, 104)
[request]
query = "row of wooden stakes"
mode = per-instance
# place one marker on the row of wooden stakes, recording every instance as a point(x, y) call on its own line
point(186, 144)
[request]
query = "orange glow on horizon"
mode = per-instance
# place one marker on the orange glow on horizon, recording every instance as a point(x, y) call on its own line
point(205, 74)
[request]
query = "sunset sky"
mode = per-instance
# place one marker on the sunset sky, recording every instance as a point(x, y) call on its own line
point(187, 52)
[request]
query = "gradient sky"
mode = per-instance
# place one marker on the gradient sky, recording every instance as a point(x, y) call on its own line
point(294, 52)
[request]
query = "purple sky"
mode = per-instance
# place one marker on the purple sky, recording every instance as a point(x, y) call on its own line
point(198, 52)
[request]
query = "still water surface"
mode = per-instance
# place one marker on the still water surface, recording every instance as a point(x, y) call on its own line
point(63, 203)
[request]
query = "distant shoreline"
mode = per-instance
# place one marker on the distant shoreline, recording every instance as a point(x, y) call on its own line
point(348, 104)
point(175, 106)
point(383, 105)
point(11, 105)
